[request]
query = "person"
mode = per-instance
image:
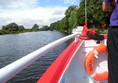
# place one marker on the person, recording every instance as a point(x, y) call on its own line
point(112, 41)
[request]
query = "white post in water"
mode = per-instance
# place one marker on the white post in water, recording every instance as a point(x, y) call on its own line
point(14, 68)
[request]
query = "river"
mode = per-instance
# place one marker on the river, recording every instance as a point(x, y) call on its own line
point(15, 46)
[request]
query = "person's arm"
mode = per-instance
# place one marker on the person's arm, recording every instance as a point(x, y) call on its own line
point(106, 6)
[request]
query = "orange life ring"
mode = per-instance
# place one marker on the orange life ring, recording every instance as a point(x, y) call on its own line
point(89, 63)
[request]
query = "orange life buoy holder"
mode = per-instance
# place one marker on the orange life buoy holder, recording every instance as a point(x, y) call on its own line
point(89, 63)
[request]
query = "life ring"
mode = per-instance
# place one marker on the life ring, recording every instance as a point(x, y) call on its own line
point(89, 63)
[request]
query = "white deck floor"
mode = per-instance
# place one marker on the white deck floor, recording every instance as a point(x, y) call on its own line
point(76, 72)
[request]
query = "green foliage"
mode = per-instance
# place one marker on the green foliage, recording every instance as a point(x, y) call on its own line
point(35, 27)
point(21, 28)
point(1, 32)
point(44, 28)
point(13, 28)
point(100, 31)
point(75, 16)
point(68, 22)
point(96, 17)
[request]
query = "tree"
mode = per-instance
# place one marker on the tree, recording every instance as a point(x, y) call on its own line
point(75, 16)
point(35, 27)
point(12, 27)
point(96, 17)
point(44, 28)
point(4, 28)
point(21, 28)
point(69, 22)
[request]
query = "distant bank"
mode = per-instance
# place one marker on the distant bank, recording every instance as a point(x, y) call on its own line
point(13, 28)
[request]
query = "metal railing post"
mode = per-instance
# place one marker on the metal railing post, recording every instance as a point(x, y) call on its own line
point(76, 38)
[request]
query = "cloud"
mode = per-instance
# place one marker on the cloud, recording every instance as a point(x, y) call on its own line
point(58, 12)
point(14, 4)
point(28, 17)
point(72, 2)
point(29, 12)
point(29, 22)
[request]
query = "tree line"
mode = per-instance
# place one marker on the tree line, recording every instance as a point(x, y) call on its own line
point(75, 16)
point(15, 28)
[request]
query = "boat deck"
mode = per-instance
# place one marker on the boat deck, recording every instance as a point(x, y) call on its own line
point(76, 73)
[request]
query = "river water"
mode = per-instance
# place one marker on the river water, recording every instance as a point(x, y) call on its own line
point(15, 46)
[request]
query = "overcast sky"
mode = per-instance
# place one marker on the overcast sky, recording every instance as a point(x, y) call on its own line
point(29, 12)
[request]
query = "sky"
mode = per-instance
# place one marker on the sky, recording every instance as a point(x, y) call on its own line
point(29, 12)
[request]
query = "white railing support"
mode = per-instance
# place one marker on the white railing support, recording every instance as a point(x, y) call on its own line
point(76, 38)
point(14, 68)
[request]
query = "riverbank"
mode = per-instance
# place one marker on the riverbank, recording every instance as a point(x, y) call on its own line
point(4, 32)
